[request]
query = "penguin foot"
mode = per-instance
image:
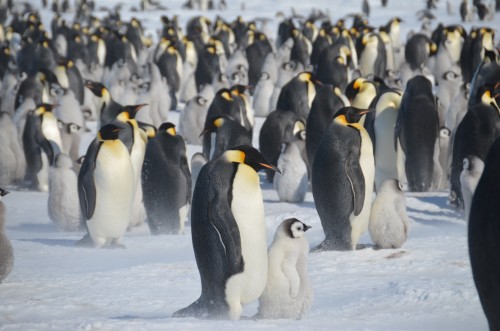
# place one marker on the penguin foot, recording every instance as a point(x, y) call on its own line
point(331, 245)
point(86, 241)
point(117, 245)
point(363, 246)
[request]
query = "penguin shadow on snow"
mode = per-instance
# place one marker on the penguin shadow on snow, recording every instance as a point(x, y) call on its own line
point(34, 228)
point(433, 211)
point(53, 242)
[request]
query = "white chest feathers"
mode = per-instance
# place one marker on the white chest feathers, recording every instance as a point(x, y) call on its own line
point(291, 184)
point(248, 211)
point(389, 223)
point(288, 293)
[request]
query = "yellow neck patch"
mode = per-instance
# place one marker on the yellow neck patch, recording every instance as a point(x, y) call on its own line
point(234, 156)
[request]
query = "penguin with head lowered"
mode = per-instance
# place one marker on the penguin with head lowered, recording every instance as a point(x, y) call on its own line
point(166, 181)
point(484, 237)
point(229, 234)
point(6, 250)
point(107, 108)
point(343, 164)
point(106, 188)
point(288, 292)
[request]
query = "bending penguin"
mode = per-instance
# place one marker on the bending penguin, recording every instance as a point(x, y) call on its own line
point(229, 234)
point(6, 251)
point(106, 188)
point(484, 237)
point(389, 222)
point(343, 164)
point(288, 293)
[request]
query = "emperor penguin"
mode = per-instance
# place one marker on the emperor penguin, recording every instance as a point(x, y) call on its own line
point(343, 164)
point(484, 237)
point(389, 223)
point(386, 114)
point(229, 234)
point(373, 60)
point(40, 137)
point(166, 181)
point(449, 50)
point(291, 185)
point(107, 108)
point(469, 177)
point(106, 188)
point(63, 205)
point(288, 292)
point(298, 94)
point(393, 28)
point(6, 250)
point(12, 162)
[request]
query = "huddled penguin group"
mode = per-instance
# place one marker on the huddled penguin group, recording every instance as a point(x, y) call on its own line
point(349, 111)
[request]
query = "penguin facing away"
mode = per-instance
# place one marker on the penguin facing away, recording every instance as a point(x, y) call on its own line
point(389, 223)
point(229, 234)
point(288, 292)
point(469, 177)
point(166, 181)
point(343, 164)
point(106, 188)
point(484, 237)
point(6, 250)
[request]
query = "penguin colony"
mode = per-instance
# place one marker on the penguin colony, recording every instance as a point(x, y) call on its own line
point(349, 108)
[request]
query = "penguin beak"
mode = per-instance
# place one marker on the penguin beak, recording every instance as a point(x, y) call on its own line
point(203, 133)
point(139, 107)
point(268, 166)
point(307, 227)
point(366, 111)
point(3, 192)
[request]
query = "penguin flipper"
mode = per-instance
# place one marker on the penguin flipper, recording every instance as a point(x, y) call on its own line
point(356, 178)
point(86, 184)
point(187, 174)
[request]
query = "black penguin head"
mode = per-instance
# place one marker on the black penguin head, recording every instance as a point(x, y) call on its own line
point(97, 88)
point(215, 123)
point(46, 75)
point(168, 127)
point(108, 132)
point(487, 94)
point(43, 108)
point(239, 89)
point(295, 228)
point(129, 112)
point(249, 156)
point(357, 86)
point(351, 114)
point(149, 130)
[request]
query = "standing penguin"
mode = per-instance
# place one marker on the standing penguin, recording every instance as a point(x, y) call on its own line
point(6, 251)
point(484, 237)
point(106, 188)
point(63, 206)
point(166, 181)
point(229, 234)
point(298, 94)
point(472, 170)
point(288, 293)
point(389, 222)
point(373, 60)
point(343, 164)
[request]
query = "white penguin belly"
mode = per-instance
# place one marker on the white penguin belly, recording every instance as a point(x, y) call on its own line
point(367, 61)
point(50, 129)
point(248, 210)
point(359, 223)
point(43, 174)
point(114, 181)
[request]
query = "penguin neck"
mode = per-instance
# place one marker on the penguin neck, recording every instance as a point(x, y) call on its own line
point(365, 97)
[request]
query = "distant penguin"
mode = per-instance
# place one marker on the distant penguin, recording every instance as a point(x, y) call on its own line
point(107, 107)
point(198, 160)
point(106, 188)
point(291, 185)
point(365, 8)
point(416, 132)
point(298, 94)
point(449, 88)
point(444, 153)
point(343, 164)
point(63, 205)
point(449, 51)
point(469, 177)
point(484, 237)
point(373, 60)
point(386, 114)
point(288, 292)
point(6, 250)
point(389, 223)
point(418, 49)
point(262, 95)
point(40, 137)
point(12, 162)
point(166, 181)
point(192, 117)
point(229, 234)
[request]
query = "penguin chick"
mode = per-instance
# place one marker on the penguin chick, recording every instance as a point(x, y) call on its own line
point(291, 184)
point(389, 223)
point(471, 173)
point(63, 205)
point(288, 293)
point(6, 251)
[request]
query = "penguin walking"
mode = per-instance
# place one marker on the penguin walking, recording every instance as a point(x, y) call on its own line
point(63, 205)
point(288, 292)
point(389, 223)
point(106, 188)
point(484, 237)
point(343, 164)
point(292, 183)
point(166, 181)
point(229, 234)
point(6, 250)
point(469, 177)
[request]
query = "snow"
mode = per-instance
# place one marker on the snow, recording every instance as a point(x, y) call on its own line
point(425, 285)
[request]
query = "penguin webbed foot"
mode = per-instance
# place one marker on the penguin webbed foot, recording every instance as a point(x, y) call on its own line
point(331, 245)
point(85, 241)
point(363, 246)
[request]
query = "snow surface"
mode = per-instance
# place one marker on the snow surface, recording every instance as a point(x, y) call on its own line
point(425, 285)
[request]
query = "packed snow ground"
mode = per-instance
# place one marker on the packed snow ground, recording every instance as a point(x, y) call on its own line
point(425, 285)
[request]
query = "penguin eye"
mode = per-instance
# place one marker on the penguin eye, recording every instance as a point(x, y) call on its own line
point(60, 124)
point(73, 128)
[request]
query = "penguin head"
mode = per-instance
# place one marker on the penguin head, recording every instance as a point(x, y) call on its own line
point(108, 132)
point(63, 161)
point(298, 126)
point(294, 228)
point(215, 123)
point(444, 132)
point(98, 89)
point(168, 127)
point(42, 109)
point(250, 156)
point(486, 95)
point(129, 112)
point(351, 114)
point(148, 129)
